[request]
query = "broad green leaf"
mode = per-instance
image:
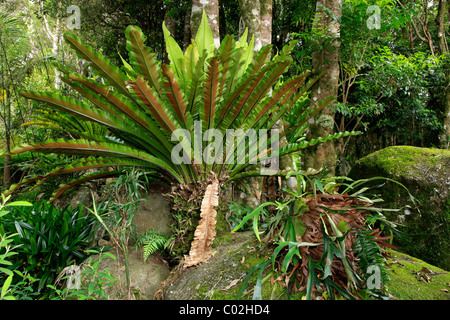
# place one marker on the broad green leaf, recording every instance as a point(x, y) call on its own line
point(19, 203)
point(5, 287)
point(6, 271)
point(204, 37)
point(142, 57)
point(175, 54)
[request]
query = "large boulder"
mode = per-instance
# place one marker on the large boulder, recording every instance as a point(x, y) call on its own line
point(426, 174)
point(154, 212)
point(146, 277)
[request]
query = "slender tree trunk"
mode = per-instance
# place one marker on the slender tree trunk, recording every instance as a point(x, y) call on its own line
point(170, 24)
point(251, 16)
point(440, 19)
point(325, 60)
point(266, 8)
point(257, 17)
point(211, 8)
point(187, 30)
point(55, 36)
point(443, 48)
point(445, 140)
point(8, 161)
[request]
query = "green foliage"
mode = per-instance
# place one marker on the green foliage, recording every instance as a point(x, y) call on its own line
point(151, 242)
point(368, 252)
point(7, 251)
point(48, 239)
point(93, 280)
point(399, 88)
point(143, 105)
point(341, 271)
point(391, 85)
point(116, 213)
point(237, 213)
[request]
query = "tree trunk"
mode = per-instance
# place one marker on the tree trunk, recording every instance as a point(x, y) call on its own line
point(211, 8)
point(8, 161)
point(443, 48)
point(187, 30)
point(440, 19)
point(257, 17)
point(55, 37)
point(446, 136)
point(325, 60)
point(266, 22)
point(251, 16)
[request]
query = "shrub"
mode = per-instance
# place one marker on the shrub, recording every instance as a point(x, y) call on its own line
point(48, 239)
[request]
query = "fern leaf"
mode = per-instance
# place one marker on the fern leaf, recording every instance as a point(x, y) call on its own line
point(142, 57)
point(100, 64)
point(210, 92)
point(175, 95)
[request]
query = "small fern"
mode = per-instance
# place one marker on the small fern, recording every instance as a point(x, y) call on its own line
point(151, 242)
point(369, 254)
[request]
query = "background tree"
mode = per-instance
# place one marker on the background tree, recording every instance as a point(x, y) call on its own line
point(211, 8)
point(13, 65)
point(256, 15)
point(325, 60)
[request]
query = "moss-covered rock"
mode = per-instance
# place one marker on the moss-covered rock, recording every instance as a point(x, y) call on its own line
point(146, 277)
point(414, 279)
point(222, 277)
point(426, 174)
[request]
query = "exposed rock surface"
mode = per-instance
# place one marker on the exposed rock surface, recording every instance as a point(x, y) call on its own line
point(145, 277)
point(223, 276)
point(426, 174)
point(154, 213)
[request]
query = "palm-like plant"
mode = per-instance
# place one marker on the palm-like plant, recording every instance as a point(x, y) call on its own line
point(144, 104)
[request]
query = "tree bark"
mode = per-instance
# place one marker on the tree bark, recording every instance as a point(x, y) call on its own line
point(446, 135)
point(325, 60)
point(442, 10)
point(266, 8)
point(55, 37)
point(211, 8)
point(443, 48)
point(187, 30)
point(257, 17)
point(8, 160)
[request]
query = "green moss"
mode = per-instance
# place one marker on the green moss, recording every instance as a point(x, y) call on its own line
point(405, 160)
point(235, 255)
point(424, 172)
point(408, 280)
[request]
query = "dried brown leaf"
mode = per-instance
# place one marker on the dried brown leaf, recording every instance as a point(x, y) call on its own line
point(232, 284)
point(206, 230)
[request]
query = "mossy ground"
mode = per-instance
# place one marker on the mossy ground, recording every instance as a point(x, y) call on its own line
point(223, 276)
point(414, 279)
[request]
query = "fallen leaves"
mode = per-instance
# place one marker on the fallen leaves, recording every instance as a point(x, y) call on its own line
point(425, 274)
point(233, 283)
